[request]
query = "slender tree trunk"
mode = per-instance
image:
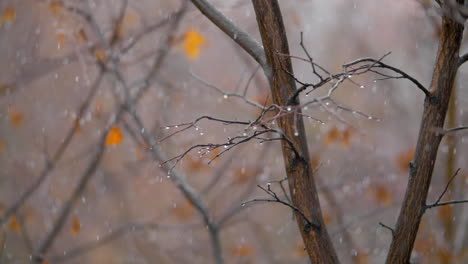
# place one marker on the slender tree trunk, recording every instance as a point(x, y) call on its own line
point(298, 169)
point(435, 109)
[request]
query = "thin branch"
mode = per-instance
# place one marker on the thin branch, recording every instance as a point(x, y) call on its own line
point(89, 246)
point(455, 129)
point(227, 95)
point(51, 164)
point(438, 203)
point(462, 59)
point(179, 180)
point(242, 38)
point(276, 199)
point(392, 231)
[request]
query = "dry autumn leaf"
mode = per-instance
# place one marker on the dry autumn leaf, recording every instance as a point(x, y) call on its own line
point(55, 7)
point(16, 118)
point(184, 211)
point(101, 55)
point(75, 225)
point(193, 41)
point(404, 158)
point(114, 137)
point(300, 250)
point(14, 224)
point(81, 36)
point(130, 20)
point(61, 39)
point(2, 148)
point(243, 250)
point(382, 194)
point(334, 135)
point(8, 16)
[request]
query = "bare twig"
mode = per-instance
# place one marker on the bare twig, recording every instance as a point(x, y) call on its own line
point(438, 203)
point(114, 235)
point(276, 199)
point(388, 228)
point(51, 164)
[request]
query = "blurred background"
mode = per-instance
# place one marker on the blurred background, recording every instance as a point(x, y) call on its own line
point(66, 148)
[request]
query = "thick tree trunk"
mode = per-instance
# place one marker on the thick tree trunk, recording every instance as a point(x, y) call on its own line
point(435, 109)
point(298, 169)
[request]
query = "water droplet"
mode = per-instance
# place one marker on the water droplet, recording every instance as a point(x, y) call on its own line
point(289, 108)
point(362, 87)
point(296, 134)
point(225, 96)
point(369, 117)
point(167, 128)
point(201, 134)
point(244, 134)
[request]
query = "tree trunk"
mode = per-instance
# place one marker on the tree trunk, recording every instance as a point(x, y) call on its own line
point(435, 109)
point(298, 169)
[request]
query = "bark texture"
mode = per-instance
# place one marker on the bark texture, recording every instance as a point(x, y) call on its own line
point(435, 109)
point(301, 182)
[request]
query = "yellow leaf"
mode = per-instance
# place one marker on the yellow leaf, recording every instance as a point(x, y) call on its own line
point(101, 55)
point(193, 41)
point(76, 225)
point(115, 136)
point(8, 16)
point(14, 224)
point(55, 7)
point(16, 118)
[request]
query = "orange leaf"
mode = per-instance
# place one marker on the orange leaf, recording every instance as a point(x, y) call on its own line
point(346, 136)
point(16, 118)
point(77, 126)
point(76, 225)
point(404, 158)
point(332, 136)
point(327, 218)
point(45, 261)
point(193, 41)
point(243, 251)
point(14, 224)
point(8, 16)
point(315, 161)
point(101, 55)
point(130, 19)
point(55, 7)
point(81, 36)
point(2, 145)
point(299, 250)
point(114, 137)
point(241, 175)
point(61, 38)
point(382, 194)
point(361, 258)
point(184, 211)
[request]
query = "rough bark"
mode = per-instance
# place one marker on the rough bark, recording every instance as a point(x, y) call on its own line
point(435, 109)
point(301, 182)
